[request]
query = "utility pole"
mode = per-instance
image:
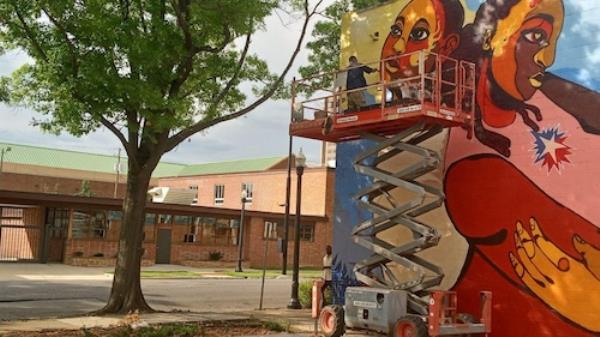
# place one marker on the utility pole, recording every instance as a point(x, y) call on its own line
point(118, 170)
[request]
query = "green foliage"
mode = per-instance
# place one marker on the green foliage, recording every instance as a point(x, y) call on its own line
point(86, 190)
point(305, 294)
point(100, 58)
point(276, 326)
point(324, 47)
point(215, 256)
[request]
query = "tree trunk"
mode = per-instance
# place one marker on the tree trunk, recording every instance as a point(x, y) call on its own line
point(126, 294)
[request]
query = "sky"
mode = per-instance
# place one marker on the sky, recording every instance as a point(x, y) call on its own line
point(264, 132)
point(261, 133)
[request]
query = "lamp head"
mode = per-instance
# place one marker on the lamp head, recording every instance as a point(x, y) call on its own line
point(244, 195)
point(300, 159)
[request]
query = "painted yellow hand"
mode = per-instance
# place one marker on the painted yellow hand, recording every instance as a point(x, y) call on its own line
point(569, 286)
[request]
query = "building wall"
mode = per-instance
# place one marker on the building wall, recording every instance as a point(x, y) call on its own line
point(57, 185)
point(268, 189)
point(520, 217)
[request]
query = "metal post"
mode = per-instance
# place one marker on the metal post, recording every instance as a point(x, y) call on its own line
point(118, 170)
point(241, 235)
point(288, 183)
point(294, 302)
point(262, 285)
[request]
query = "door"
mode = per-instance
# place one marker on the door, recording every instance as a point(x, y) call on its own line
point(20, 237)
point(163, 246)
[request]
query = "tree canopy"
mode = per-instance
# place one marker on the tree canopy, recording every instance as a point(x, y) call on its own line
point(157, 69)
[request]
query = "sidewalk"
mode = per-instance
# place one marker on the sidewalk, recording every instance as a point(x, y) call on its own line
point(299, 322)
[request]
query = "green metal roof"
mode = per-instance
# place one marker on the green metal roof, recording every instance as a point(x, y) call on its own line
point(246, 165)
point(74, 160)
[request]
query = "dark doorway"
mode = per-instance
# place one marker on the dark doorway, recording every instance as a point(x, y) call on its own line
point(163, 246)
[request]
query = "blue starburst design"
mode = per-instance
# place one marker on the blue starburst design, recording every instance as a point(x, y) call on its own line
point(551, 134)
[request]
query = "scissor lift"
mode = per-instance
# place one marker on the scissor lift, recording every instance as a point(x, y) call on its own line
point(399, 115)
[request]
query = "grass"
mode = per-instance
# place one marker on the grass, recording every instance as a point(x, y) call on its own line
point(272, 273)
point(168, 274)
point(249, 273)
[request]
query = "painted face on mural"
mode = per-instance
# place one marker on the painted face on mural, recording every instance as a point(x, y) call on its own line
point(415, 28)
point(525, 46)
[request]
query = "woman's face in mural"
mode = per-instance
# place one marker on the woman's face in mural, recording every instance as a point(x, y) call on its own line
point(414, 29)
point(525, 45)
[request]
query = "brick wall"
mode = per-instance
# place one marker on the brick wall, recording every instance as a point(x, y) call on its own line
point(56, 185)
point(109, 249)
point(311, 252)
point(268, 189)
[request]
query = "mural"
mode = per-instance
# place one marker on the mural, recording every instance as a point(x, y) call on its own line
point(521, 216)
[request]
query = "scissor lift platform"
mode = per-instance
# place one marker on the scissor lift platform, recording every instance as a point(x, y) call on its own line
point(444, 98)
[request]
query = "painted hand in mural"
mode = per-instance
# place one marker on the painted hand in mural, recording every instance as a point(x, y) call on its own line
point(568, 285)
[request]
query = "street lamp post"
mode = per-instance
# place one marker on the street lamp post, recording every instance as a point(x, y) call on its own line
point(300, 165)
point(241, 233)
point(3, 152)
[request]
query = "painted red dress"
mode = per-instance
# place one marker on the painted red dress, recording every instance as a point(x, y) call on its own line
point(551, 179)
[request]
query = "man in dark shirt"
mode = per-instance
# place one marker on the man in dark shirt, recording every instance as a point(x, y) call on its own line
point(355, 80)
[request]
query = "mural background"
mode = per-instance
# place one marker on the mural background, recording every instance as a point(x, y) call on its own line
point(577, 60)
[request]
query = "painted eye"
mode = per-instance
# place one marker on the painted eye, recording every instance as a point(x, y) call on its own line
point(419, 34)
point(396, 30)
point(536, 36)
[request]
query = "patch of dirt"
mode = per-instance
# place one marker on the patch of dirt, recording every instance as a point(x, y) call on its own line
point(220, 329)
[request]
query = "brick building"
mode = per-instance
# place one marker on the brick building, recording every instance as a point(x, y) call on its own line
point(44, 215)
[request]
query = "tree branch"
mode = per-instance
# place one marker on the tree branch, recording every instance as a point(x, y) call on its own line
point(110, 126)
point(31, 36)
point(235, 76)
point(204, 124)
point(185, 67)
point(72, 48)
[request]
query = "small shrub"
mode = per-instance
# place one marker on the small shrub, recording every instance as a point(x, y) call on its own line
point(215, 256)
point(179, 330)
point(305, 294)
point(99, 255)
point(275, 326)
point(78, 254)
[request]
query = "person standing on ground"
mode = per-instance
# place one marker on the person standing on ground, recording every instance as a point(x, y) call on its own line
point(327, 272)
point(356, 80)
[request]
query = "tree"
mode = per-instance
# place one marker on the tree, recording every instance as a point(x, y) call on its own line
point(153, 72)
point(325, 46)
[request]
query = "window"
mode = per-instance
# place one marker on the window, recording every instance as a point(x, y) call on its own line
point(89, 224)
point(249, 191)
point(57, 221)
point(270, 230)
point(307, 232)
point(213, 231)
point(11, 216)
point(165, 218)
point(115, 215)
point(183, 220)
point(149, 227)
point(150, 219)
point(195, 188)
point(219, 194)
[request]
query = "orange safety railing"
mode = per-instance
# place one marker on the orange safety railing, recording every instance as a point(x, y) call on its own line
point(443, 84)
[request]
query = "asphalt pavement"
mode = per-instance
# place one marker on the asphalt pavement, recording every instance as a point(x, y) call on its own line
point(41, 291)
